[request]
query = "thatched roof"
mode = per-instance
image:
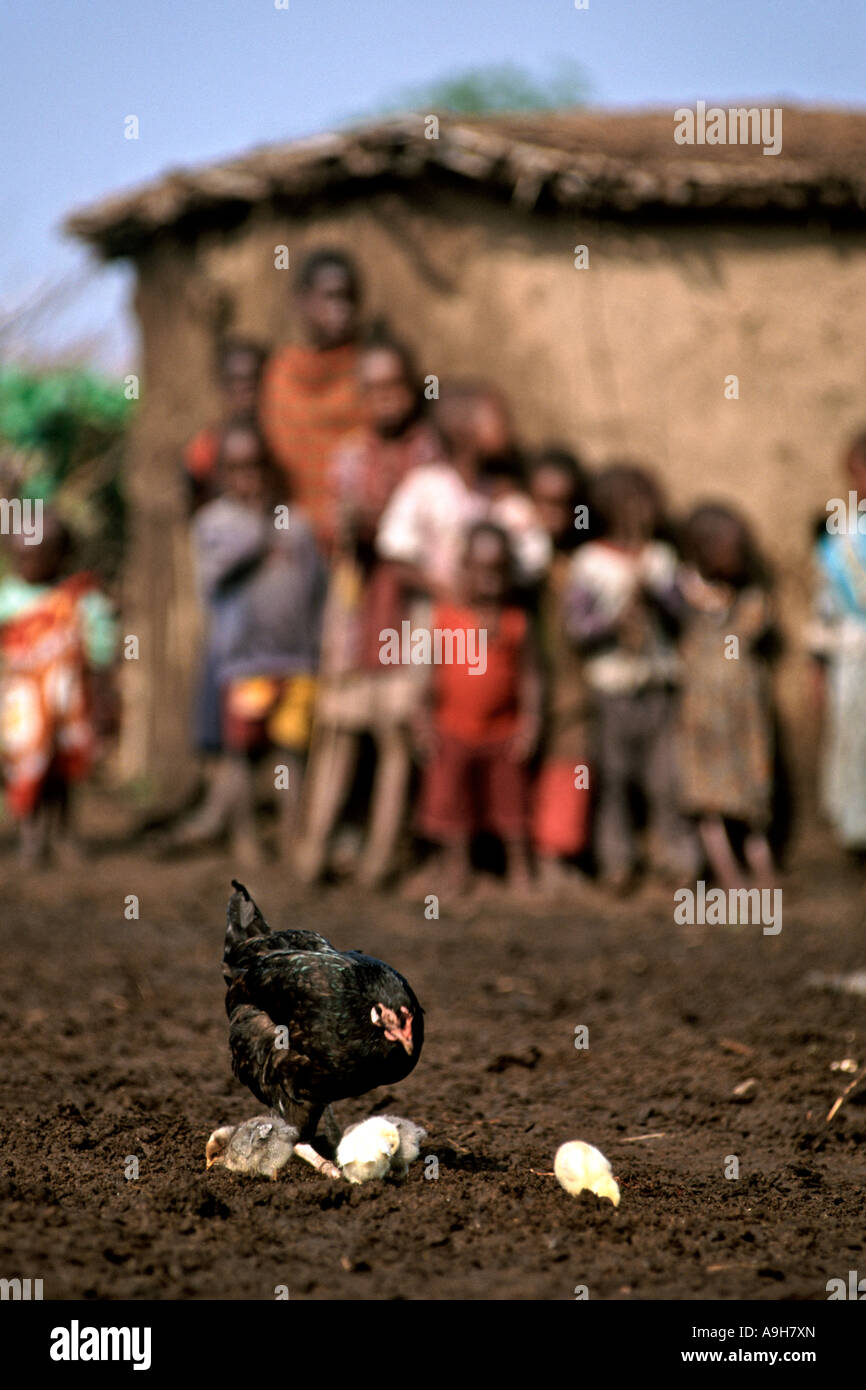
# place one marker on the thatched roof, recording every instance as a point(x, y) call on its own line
point(600, 163)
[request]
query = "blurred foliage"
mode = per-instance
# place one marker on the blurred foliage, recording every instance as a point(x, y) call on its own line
point(57, 413)
point(498, 87)
point(61, 439)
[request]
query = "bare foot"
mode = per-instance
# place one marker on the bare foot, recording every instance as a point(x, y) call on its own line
point(68, 852)
point(247, 850)
point(419, 884)
point(308, 861)
point(619, 882)
point(447, 875)
point(561, 882)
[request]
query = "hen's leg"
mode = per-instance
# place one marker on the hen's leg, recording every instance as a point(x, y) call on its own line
point(331, 1127)
point(307, 1121)
point(322, 1165)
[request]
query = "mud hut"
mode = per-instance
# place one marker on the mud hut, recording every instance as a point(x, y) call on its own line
point(713, 325)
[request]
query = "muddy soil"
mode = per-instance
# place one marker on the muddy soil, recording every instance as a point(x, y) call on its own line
point(114, 1047)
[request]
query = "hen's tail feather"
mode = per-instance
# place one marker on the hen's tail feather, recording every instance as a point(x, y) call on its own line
point(244, 922)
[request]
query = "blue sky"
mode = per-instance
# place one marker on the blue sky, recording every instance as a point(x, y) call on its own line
point(210, 77)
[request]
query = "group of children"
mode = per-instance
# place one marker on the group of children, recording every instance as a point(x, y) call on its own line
point(623, 717)
point(616, 715)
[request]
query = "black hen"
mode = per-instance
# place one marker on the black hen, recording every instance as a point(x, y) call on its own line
point(310, 1025)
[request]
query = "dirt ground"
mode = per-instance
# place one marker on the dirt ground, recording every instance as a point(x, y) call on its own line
point(114, 1045)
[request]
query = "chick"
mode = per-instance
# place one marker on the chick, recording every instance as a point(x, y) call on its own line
point(579, 1166)
point(409, 1147)
point(261, 1146)
point(367, 1149)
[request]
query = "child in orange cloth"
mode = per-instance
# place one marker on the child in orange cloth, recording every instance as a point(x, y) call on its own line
point(310, 390)
point(481, 722)
point(56, 635)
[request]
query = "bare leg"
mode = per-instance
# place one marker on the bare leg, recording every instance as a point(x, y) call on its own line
point(331, 1125)
point(552, 874)
point(321, 1165)
point(389, 804)
point(759, 858)
point(675, 852)
point(32, 839)
point(614, 832)
point(244, 840)
point(287, 799)
point(518, 875)
point(558, 879)
point(63, 842)
point(457, 866)
point(329, 776)
point(212, 817)
point(723, 861)
point(447, 872)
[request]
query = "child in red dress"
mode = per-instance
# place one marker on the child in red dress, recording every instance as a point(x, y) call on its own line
point(57, 641)
point(482, 720)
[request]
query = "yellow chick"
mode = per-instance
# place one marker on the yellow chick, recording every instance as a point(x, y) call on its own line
point(579, 1166)
point(410, 1136)
point(366, 1149)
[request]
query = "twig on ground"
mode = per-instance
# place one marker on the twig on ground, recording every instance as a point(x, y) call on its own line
point(840, 1100)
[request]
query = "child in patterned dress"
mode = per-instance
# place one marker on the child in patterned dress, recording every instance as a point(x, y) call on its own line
point(57, 643)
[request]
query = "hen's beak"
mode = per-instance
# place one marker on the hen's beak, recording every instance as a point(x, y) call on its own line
point(402, 1035)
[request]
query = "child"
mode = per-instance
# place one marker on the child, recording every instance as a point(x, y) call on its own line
point(500, 484)
point(560, 818)
point(725, 715)
point(481, 726)
point(839, 648)
point(57, 641)
point(359, 695)
point(310, 392)
point(423, 527)
point(395, 437)
point(264, 582)
point(618, 612)
point(239, 368)
point(239, 371)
